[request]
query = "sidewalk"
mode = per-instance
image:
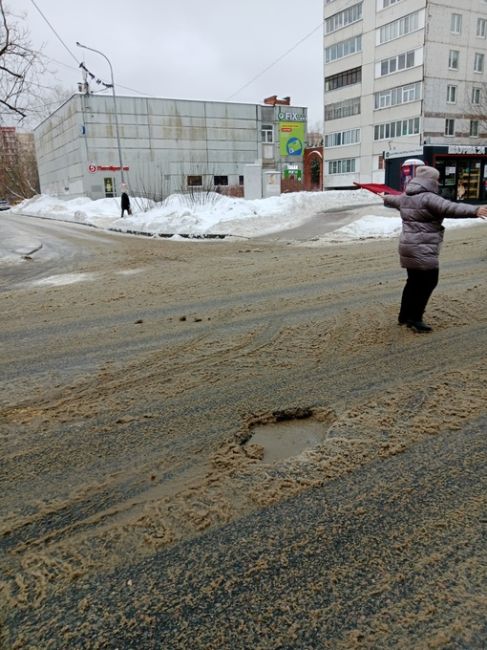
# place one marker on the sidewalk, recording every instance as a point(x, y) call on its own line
point(326, 222)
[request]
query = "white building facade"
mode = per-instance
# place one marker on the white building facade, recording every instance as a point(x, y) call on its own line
point(400, 74)
point(167, 146)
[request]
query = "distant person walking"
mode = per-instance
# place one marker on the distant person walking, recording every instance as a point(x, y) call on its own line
point(125, 201)
point(422, 212)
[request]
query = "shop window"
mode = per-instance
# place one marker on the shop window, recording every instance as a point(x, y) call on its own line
point(468, 180)
point(195, 181)
point(448, 174)
point(220, 180)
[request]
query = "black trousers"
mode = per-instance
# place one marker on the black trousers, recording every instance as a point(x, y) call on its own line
point(416, 293)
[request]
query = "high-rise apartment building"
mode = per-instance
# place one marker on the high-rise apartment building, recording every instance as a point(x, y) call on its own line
point(399, 75)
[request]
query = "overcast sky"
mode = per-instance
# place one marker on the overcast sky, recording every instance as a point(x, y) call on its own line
point(187, 49)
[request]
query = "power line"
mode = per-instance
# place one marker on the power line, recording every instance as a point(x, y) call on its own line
point(70, 67)
point(291, 49)
point(55, 32)
point(139, 92)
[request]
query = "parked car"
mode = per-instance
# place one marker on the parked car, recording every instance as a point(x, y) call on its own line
point(4, 205)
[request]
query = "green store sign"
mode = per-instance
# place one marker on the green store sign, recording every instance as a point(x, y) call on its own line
point(291, 139)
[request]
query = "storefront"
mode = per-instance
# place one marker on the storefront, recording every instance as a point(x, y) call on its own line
point(463, 170)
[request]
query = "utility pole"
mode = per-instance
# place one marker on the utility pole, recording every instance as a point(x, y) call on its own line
point(117, 129)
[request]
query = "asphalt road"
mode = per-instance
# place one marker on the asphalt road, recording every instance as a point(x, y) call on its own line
point(387, 557)
point(138, 513)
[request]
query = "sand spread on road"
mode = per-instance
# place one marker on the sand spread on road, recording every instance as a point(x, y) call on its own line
point(130, 402)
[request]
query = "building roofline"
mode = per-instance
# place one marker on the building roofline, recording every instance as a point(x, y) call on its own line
point(55, 111)
point(171, 99)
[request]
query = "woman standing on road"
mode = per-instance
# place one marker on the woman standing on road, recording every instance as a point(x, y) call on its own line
point(422, 212)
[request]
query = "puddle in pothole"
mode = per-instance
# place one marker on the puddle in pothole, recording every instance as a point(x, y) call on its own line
point(289, 438)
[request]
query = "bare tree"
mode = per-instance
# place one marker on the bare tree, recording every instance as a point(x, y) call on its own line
point(18, 166)
point(48, 101)
point(19, 66)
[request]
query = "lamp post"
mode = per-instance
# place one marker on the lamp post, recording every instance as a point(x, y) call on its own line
point(114, 104)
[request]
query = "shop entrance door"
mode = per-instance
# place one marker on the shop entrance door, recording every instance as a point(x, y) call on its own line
point(109, 185)
point(468, 180)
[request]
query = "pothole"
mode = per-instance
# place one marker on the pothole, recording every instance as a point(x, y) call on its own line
point(284, 434)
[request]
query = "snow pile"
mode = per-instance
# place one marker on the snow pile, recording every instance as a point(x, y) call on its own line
point(199, 214)
point(209, 213)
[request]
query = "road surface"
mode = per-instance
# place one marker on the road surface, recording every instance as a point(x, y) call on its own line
point(234, 445)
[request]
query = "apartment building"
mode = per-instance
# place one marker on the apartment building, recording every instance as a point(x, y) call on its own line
point(402, 75)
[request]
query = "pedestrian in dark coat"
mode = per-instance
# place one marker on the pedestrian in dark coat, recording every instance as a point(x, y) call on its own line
point(422, 212)
point(125, 203)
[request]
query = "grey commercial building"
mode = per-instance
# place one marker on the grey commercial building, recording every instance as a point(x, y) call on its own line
point(168, 146)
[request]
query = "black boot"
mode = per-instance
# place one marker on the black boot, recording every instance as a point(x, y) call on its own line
point(419, 326)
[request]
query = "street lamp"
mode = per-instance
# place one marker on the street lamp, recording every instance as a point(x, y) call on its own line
point(114, 104)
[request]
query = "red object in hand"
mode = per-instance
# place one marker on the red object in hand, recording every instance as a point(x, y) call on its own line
point(377, 188)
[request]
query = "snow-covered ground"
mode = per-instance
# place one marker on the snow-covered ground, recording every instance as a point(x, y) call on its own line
point(211, 213)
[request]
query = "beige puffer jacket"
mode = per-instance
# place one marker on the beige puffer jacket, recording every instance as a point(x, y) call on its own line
point(422, 212)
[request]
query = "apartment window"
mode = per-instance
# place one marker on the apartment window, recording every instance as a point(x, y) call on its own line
point(343, 48)
point(453, 59)
point(481, 27)
point(343, 18)
point(474, 128)
point(478, 64)
point(241, 180)
point(220, 180)
point(400, 27)
point(344, 166)
point(398, 129)
point(341, 138)
point(449, 127)
point(267, 132)
point(346, 108)
point(345, 78)
point(451, 94)
point(195, 181)
point(456, 23)
point(398, 95)
point(395, 63)
point(476, 95)
point(387, 3)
